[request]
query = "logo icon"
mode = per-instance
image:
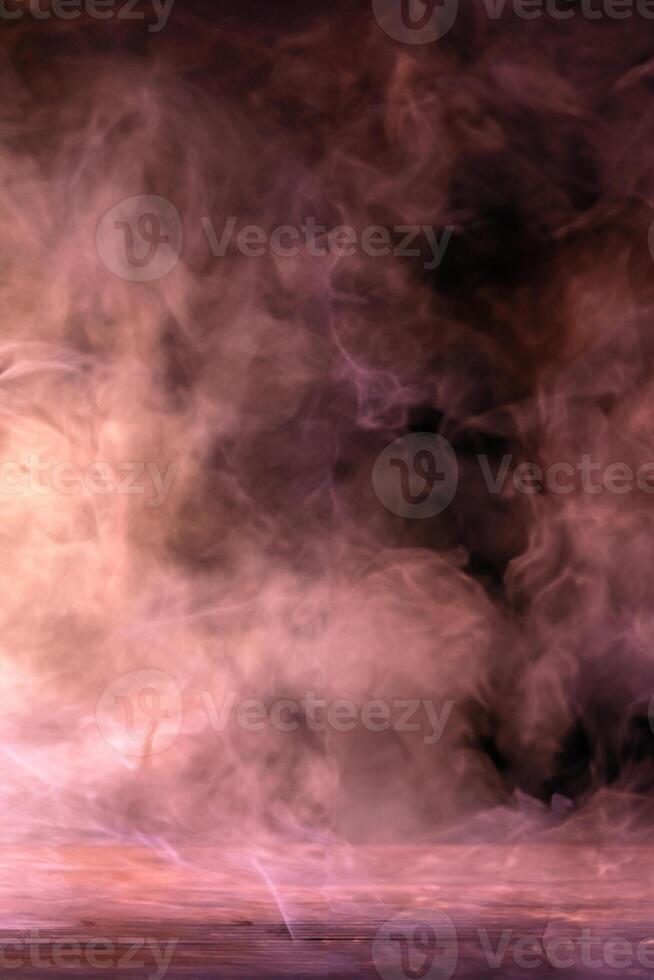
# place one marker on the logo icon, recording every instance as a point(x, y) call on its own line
point(140, 713)
point(420, 944)
point(416, 476)
point(415, 21)
point(140, 239)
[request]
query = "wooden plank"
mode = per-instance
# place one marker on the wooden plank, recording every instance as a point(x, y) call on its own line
point(315, 912)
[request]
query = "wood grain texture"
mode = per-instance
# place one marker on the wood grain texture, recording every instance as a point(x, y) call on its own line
point(315, 912)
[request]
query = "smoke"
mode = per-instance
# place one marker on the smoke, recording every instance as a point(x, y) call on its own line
point(267, 387)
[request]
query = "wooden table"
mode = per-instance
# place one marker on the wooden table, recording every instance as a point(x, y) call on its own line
point(314, 911)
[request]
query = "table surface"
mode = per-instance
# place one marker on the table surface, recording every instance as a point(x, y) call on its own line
point(315, 911)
